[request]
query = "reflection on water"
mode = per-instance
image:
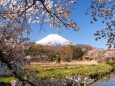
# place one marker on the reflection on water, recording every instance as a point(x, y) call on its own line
point(108, 81)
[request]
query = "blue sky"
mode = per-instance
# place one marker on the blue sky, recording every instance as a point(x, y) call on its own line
point(84, 36)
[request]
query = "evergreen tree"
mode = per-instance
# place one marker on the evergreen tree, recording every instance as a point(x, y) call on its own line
point(77, 54)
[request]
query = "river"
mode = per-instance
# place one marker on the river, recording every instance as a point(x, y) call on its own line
point(107, 81)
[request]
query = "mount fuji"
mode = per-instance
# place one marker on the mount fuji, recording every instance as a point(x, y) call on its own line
point(54, 40)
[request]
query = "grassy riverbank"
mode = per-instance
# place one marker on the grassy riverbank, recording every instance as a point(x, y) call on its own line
point(63, 71)
point(6, 79)
point(82, 70)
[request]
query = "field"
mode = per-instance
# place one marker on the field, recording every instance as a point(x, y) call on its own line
point(64, 70)
point(48, 70)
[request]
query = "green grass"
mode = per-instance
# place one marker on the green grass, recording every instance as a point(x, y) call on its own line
point(6, 79)
point(48, 73)
point(65, 71)
point(111, 63)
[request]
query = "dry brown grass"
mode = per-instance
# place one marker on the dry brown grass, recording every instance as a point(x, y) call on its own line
point(62, 64)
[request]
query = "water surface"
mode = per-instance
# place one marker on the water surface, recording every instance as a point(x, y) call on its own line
point(105, 82)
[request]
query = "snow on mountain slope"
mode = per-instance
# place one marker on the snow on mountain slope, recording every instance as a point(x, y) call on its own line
point(54, 40)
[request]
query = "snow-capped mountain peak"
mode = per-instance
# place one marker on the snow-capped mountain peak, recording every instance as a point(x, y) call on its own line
point(54, 40)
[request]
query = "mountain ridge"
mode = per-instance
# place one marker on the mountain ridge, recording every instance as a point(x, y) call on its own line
point(54, 40)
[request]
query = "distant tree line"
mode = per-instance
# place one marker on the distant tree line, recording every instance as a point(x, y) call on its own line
point(65, 53)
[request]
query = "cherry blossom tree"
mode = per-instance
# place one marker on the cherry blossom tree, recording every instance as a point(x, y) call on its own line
point(104, 10)
point(95, 54)
point(17, 15)
point(15, 18)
